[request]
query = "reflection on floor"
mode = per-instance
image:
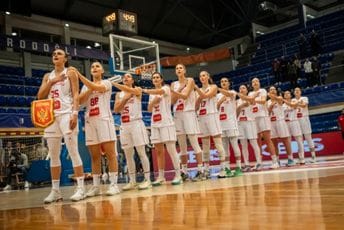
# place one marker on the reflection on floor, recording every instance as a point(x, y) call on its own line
point(310, 196)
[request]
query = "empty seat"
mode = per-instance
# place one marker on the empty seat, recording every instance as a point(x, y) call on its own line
point(11, 110)
point(144, 106)
point(22, 101)
point(3, 101)
point(12, 101)
point(29, 100)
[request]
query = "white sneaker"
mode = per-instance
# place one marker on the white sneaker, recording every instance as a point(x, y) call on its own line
point(274, 165)
point(26, 185)
point(7, 187)
point(159, 181)
point(129, 186)
point(54, 196)
point(94, 191)
point(314, 159)
point(145, 185)
point(222, 173)
point(79, 194)
point(177, 180)
point(113, 190)
point(302, 161)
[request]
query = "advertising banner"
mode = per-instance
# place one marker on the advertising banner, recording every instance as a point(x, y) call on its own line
point(330, 143)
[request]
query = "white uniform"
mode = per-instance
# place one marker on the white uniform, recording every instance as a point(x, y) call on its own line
point(261, 112)
point(279, 128)
point(162, 125)
point(291, 119)
point(209, 121)
point(133, 131)
point(227, 115)
point(303, 116)
point(185, 118)
point(61, 92)
point(99, 124)
point(246, 122)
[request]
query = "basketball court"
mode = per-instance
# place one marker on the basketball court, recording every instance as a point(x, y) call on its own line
point(309, 196)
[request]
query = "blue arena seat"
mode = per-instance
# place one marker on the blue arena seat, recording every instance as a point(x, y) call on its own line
point(3, 100)
point(11, 110)
point(12, 101)
point(144, 106)
point(22, 101)
point(145, 97)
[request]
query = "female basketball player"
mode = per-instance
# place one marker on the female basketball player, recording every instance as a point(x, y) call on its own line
point(226, 106)
point(133, 132)
point(209, 121)
point(99, 127)
point(303, 118)
point(247, 129)
point(163, 131)
point(293, 124)
point(183, 100)
point(63, 86)
point(260, 111)
point(279, 128)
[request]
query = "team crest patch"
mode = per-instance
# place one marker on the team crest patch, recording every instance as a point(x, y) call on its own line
point(42, 112)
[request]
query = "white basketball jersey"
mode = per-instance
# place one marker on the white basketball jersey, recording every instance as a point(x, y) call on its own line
point(277, 112)
point(259, 110)
point(161, 113)
point(132, 109)
point(61, 92)
point(246, 113)
point(98, 103)
point(289, 112)
point(227, 112)
point(302, 112)
point(184, 105)
point(208, 105)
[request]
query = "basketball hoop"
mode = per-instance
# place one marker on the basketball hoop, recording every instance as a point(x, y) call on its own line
point(129, 55)
point(146, 71)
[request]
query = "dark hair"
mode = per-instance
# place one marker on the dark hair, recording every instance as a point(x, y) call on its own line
point(134, 82)
point(247, 88)
point(66, 64)
point(229, 81)
point(291, 94)
point(162, 77)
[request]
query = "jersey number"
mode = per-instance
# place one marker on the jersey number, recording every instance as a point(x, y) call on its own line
point(94, 101)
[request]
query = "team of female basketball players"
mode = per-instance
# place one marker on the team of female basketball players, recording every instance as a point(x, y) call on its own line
point(206, 111)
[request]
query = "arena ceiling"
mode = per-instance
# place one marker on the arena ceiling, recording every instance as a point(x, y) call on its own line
point(196, 23)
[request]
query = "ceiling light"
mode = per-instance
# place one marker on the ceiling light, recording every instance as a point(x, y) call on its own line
point(7, 12)
point(96, 44)
point(310, 16)
point(188, 49)
point(88, 47)
point(14, 34)
point(66, 25)
point(153, 42)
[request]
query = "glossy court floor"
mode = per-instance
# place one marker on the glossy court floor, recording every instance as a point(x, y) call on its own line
point(302, 197)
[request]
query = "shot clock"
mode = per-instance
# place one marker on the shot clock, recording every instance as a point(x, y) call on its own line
point(120, 22)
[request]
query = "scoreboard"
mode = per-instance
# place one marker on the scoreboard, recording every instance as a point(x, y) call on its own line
point(120, 22)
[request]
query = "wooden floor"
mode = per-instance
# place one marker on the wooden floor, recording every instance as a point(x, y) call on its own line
point(308, 197)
